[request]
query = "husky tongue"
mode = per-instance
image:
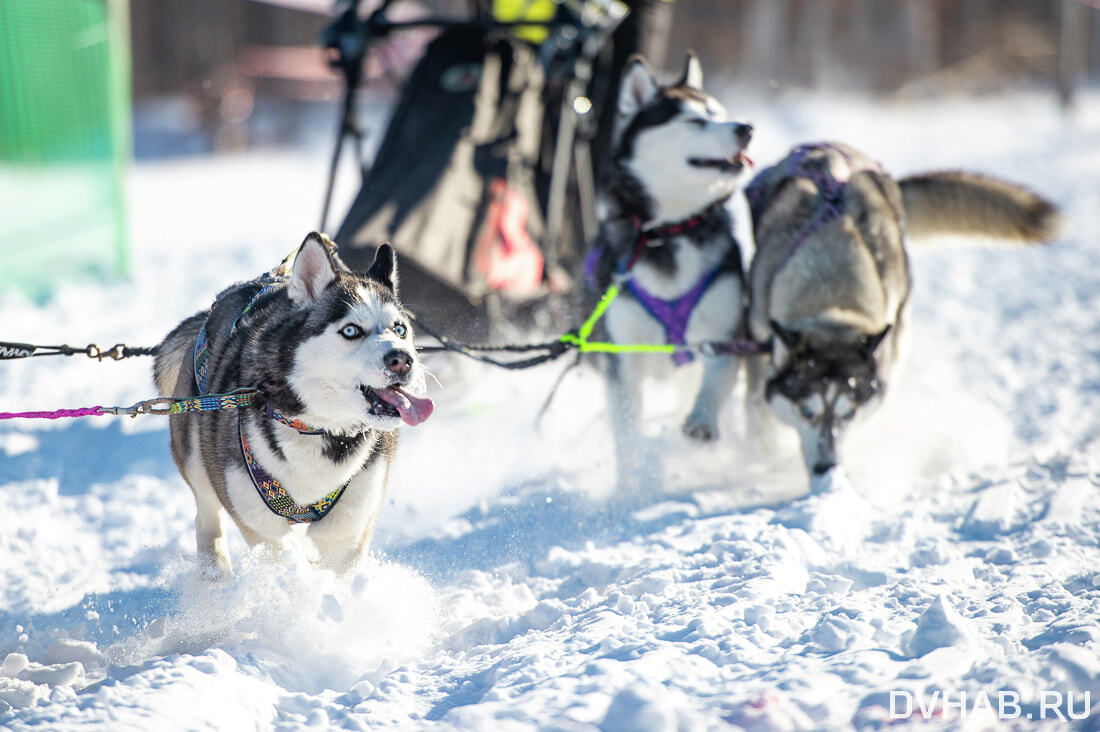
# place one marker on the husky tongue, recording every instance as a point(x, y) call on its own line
point(413, 410)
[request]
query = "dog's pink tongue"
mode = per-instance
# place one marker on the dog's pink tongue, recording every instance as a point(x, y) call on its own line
point(412, 409)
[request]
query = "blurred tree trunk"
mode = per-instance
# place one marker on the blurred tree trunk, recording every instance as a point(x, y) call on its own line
point(765, 35)
point(976, 24)
point(1073, 47)
point(181, 42)
point(921, 19)
point(815, 35)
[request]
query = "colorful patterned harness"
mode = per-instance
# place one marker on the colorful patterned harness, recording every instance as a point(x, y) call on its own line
point(275, 496)
point(271, 492)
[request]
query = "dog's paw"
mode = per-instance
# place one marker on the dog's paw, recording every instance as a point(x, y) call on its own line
point(700, 431)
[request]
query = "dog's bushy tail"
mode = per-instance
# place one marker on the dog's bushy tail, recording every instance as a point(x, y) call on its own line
point(953, 203)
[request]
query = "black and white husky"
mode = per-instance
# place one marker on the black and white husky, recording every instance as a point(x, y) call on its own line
point(830, 278)
point(667, 237)
point(330, 356)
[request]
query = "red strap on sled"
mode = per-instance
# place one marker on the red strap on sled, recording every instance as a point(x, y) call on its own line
point(505, 253)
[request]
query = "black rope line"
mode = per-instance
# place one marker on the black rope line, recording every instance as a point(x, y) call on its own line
point(554, 390)
point(10, 351)
point(550, 350)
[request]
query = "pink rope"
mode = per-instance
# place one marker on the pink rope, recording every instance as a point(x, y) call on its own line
point(56, 414)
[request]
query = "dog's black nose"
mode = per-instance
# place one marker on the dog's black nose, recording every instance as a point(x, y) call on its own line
point(822, 468)
point(399, 362)
point(743, 130)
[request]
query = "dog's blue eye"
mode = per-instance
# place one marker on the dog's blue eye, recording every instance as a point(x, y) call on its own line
point(806, 412)
point(351, 331)
point(400, 330)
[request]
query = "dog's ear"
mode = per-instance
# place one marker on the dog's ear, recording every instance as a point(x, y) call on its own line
point(636, 88)
point(871, 342)
point(384, 267)
point(693, 72)
point(312, 272)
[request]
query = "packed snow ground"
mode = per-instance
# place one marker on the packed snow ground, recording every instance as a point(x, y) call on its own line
point(511, 587)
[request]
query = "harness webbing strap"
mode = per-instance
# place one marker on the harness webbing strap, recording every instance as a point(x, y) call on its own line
point(269, 282)
point(214, 402)
point(202, 342)
point(296, 424)
point(163, 406)
point(276, 498)
point(579, 338)
point(830, 187)
point(673, 315)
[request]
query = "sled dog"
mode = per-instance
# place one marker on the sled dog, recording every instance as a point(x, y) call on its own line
point(330, 355)
point(829, 283)
point(667, 238)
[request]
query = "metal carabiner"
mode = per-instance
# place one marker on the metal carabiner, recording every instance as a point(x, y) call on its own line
point(161, 406)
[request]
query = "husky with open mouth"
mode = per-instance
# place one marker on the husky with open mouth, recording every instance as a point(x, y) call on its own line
point(830, 278)
point(667, 236)
point(330, 355)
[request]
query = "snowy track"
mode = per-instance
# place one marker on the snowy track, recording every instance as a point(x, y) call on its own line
point(958, 554)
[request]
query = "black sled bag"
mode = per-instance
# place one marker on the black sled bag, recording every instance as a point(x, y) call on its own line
point(452, 186)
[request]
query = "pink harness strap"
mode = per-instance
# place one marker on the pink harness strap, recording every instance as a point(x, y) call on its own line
point(55, 414)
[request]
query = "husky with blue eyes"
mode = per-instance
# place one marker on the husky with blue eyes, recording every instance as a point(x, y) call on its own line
point(829, 283)
point(328, 356)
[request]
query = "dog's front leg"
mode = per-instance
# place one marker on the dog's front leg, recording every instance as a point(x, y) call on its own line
point(761, 425)
point(339, 556)
point(210, 539)
point(719, 376)
point(624, 405)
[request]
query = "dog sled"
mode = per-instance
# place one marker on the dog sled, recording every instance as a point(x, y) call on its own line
point(484, 180)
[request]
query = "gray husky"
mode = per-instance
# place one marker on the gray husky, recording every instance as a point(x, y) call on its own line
point(666, 236)
point(830, 278)
point(330, 356)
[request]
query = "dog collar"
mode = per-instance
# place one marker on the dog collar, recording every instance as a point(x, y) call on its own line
point(297, 424)
point(657, 233)
point(275, 497)
point(661, 233)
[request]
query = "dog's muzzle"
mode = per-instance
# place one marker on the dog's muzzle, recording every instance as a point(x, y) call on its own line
point(395, 402)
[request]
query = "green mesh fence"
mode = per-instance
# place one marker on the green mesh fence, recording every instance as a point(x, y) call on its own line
point(64, 140)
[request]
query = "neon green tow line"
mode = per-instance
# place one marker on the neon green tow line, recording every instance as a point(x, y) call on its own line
point(580, 338)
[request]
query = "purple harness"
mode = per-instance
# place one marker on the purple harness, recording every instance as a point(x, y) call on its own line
point(673, 315)
point(830, 188)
